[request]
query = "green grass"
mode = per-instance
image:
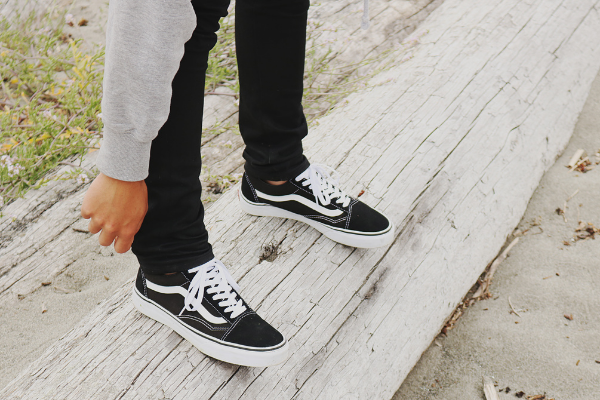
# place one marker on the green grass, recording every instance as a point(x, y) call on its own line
point(50, 99)
point(222, 64)
point(49, 102)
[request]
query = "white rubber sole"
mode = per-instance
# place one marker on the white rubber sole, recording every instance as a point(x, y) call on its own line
point(215, 348)
point(343, 236)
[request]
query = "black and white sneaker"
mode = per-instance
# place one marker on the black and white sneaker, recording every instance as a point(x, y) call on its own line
point(203, 306)
point(314, 198)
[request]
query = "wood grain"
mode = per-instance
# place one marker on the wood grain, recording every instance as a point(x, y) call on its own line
point(450, 144)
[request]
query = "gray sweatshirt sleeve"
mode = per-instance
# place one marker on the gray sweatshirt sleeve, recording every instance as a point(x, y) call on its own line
point(144, 45)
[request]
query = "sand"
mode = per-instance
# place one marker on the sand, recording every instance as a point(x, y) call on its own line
point(539, 351)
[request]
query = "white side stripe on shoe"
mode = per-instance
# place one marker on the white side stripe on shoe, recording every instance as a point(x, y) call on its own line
point(294, 197)
point(179, 290)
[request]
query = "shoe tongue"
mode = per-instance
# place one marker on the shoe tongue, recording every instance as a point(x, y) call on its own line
point(189, 276)
point(304, 175)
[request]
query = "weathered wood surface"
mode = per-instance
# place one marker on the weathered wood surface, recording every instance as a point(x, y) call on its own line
point(8, 7)
point(42, 236)
point(36, 236)
point(451, 148)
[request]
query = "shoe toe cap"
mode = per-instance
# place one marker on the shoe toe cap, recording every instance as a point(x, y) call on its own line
point(366, 219)
point(253, 331)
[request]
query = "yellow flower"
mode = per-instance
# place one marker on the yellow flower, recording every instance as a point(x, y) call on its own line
point(76, 70)
point(42, 138)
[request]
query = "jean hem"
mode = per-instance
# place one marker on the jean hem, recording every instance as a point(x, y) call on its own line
point(276, 173)
point(173, 264)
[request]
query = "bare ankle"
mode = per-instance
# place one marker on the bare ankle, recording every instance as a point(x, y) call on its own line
point(276, 183)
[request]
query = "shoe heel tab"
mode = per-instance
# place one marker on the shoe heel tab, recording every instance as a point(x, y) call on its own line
point(248, 190)
point(140, 282)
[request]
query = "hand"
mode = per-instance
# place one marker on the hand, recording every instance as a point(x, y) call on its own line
point(117, 208)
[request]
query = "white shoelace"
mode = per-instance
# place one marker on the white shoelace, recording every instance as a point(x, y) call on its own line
point(323, 186)
point(215, 276)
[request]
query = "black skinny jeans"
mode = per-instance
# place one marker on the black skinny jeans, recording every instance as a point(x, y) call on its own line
point(270, 45)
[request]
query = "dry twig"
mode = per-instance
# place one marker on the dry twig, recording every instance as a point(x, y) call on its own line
point(564, 209)
point(489, 390)
point(586, 231)
point(573, 161)
point(482, 291)
point(512, 308)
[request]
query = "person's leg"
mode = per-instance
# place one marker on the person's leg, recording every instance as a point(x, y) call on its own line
point(173, 237)
point(270, 45)
point(180, 283)
point(272, 124)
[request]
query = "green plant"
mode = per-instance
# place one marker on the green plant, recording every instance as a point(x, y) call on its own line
point(222, 62)
point(49, 101)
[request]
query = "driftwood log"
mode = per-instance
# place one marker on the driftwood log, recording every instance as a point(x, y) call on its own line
point(450, 142)
point(42, 237)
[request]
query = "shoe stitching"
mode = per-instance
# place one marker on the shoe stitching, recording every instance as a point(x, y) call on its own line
point(144, 283)
point(301, 188)
point(349, 215)
point(251, 187)
point(217, 310)
point(203, 322)
point(338, 207)
point(333, 221)
point(234, 324)
point(244, 315)
point(186, 279)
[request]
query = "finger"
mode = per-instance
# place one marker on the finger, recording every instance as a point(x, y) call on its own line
point(106, 237)
point(85, 213)
point(94, 227)
point(122, 244)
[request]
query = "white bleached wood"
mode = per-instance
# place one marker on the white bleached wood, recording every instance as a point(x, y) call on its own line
point(451, 147)
point(24, 7)
point(489, 390)
point(37, 239)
